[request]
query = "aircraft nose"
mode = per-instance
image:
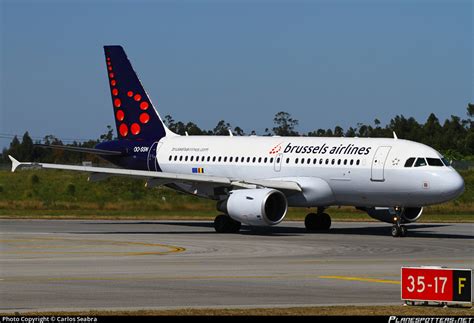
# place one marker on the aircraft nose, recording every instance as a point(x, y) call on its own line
point(454, 184)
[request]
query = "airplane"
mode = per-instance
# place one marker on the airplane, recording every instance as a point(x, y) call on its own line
point(254, 179)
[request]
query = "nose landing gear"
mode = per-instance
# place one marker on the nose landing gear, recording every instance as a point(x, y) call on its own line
point(398, 230)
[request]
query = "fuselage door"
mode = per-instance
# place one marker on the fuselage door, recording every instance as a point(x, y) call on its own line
point(378, 163)
point(277, 163)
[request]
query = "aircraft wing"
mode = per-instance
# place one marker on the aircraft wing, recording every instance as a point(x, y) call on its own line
point(163, 177)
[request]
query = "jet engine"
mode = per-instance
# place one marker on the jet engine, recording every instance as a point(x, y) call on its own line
point(411, 214)
point(386, 214)
point(257, 207)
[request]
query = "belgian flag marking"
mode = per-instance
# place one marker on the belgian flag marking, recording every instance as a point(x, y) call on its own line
point(198, 170)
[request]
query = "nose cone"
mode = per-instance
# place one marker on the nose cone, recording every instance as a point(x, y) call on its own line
point(453, 184)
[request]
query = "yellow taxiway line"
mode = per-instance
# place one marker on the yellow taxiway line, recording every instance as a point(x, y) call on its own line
point(362, 279)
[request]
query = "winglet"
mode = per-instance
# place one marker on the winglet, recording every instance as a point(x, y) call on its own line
point(395, 135)
point(15, 163)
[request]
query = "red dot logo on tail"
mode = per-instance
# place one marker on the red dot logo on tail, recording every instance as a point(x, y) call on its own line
point(144, 118)
point(135, 129)
point(120, 115)
point(123, 130)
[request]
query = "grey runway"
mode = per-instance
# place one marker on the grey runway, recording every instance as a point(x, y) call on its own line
point(115, 265)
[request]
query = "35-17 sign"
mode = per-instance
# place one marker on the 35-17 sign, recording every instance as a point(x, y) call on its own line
point(436, 284)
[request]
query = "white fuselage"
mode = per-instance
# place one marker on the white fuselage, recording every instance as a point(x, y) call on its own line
point(332, 171)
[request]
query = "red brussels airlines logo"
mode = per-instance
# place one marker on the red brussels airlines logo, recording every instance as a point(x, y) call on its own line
point(276, 149)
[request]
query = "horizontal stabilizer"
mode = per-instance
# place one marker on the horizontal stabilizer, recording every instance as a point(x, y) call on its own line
point(15, 163)
point(94, 151)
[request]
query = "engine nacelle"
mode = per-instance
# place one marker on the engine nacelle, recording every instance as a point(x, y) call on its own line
point(257, 207)
point(411, 214)
point(386, 214)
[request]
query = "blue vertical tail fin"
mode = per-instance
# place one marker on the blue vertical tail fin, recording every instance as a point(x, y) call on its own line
point(135, 116)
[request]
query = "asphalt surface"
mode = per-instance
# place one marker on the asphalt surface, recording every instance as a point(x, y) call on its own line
point(115, 265)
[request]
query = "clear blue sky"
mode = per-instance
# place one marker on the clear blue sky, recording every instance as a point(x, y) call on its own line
point(327, 63)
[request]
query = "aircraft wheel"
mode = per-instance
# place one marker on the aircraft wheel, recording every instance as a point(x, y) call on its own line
point(326, 221)
point(225, 224)
point(403, 231)
point(395, 231)
point(315, 222)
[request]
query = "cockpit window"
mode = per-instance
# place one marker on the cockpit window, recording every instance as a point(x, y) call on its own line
point(420, 162)
point(410, 162)
point(446, 162)
point(434, 162)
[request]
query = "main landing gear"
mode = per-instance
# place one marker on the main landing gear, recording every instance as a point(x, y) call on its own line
point(319, 221)
point(398, 230)
point(225, 224)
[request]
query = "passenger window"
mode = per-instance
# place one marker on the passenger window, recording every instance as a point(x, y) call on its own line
point(225, 158)
point(180, 158)
point(333, 161)
point(434, 162)
point(410, 162)
point(214, 158)
point(231, 159)
point(192, 158)
point(171, 157)
point(358, 162)
point(352, 162)
point(420, 162)
point(321, 161)
point(259, 160)
point(327, 161)
point(175, 158)
point(345, 161)
point(287, 160)
point(254, 159)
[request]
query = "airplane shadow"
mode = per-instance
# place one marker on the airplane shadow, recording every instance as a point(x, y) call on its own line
point(414, 230)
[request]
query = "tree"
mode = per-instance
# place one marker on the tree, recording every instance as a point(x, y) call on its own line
point(109, 135)
point(222, 128)
point(25, 151)
point(284, 124)
point(239, 131)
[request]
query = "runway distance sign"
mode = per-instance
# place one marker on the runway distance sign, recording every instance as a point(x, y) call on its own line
point(436, 284)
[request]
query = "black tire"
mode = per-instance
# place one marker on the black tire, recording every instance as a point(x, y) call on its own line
point(403, 231)
point(310, 222)
point(325, 221)
point(224, 224)
point(396, 231)
point(317, 222)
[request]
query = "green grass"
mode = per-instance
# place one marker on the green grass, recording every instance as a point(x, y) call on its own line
point(62, 194)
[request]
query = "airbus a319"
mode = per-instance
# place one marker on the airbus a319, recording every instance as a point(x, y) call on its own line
point(255, 179)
